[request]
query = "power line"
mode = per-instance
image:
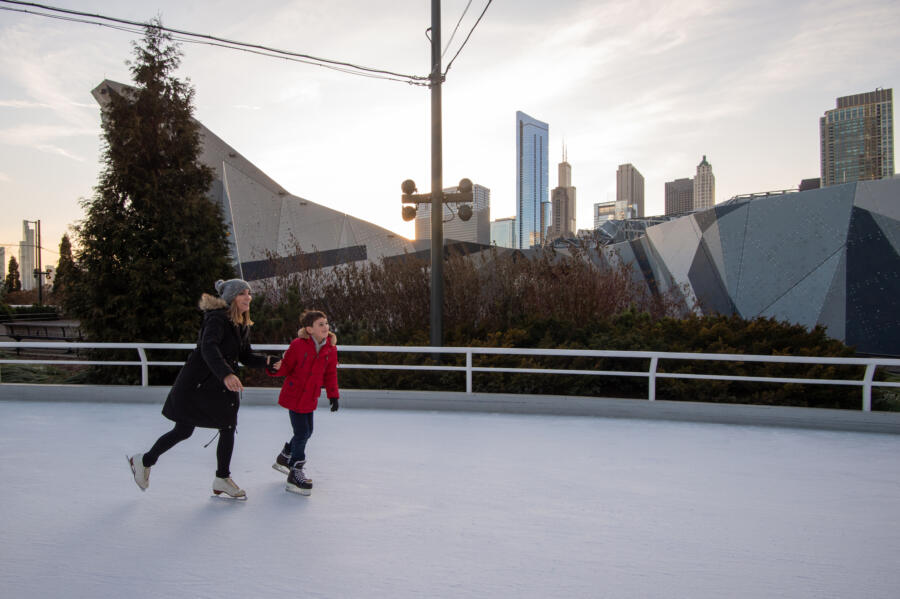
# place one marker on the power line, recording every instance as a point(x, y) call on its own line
point(455, 29)
point(471, 31)
point(212, 40)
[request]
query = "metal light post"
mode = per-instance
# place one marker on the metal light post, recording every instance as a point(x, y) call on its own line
point(437, 182)
point(437, 198)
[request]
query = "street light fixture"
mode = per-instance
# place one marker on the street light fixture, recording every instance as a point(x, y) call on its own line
point(463, 198)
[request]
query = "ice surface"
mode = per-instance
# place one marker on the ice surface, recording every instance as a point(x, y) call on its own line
point(428, 504)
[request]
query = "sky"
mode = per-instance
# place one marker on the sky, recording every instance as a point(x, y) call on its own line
point(436, 504)
point(652, 83)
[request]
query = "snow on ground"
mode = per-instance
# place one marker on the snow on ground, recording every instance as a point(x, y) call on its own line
point(427, 504)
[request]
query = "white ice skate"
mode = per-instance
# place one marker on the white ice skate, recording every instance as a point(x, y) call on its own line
point(141, 473)
point(227, 486)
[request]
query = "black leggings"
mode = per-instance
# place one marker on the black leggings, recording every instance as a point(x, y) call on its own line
point(183, 431)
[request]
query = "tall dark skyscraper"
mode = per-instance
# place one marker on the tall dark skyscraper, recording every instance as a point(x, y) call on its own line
point(629, 192)
point(679, 196)
point(857, 138)
point(532, 180)
point(563, 202)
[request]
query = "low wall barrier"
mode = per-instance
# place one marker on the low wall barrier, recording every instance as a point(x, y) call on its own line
point(865, 383)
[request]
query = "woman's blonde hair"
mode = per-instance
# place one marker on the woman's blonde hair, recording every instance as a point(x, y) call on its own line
point(237, 317)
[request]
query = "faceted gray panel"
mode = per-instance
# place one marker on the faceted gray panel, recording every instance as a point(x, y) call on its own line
point(732, 229)
point(804, 301)
point(890, 228)
point(833, 315)
point(873, 287)
point(880, 197)
point(786, 239)
point(707, 284)
point(677, 240)
point(255, 212)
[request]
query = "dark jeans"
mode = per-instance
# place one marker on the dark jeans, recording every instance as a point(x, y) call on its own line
point(181, 432)
point(303, 429)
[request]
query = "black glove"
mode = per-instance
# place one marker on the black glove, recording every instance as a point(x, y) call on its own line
point(334, 403)
point(269, 364)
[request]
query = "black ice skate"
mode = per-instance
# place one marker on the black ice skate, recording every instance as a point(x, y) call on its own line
point(297, 481)
point(283, 460)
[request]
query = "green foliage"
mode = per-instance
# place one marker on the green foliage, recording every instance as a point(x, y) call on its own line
point(12, 281)
point(65, 270)
point(152, 241)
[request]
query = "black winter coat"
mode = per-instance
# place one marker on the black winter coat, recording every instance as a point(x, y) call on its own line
point(199, 396)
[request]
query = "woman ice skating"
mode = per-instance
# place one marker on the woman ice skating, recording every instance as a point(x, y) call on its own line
point(207, 390)
point(309, 364)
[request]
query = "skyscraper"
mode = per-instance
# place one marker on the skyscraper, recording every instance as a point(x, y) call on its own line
point(704, 186)
point(503, 232)
point(477, 229)
point(563, 202)
point(856, 139)
point(629, 192)
point(532, 180)
point(604, 211)
point(679, 196)
point(26, 256)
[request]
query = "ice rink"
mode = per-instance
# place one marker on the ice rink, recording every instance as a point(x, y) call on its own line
point(432, 504)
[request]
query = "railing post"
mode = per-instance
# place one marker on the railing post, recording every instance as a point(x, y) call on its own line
point(652, 376)
point(145, 374)
point(867, 388)
point(469, 371)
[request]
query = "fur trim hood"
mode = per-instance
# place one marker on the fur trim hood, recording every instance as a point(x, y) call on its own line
point(302, 334)
point(210, 302)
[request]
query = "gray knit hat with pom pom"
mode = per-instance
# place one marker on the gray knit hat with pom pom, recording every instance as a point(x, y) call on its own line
point(230, 289)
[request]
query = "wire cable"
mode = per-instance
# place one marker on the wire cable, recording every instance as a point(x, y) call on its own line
point(455, 29)
point(212, 40)
point(471, 31)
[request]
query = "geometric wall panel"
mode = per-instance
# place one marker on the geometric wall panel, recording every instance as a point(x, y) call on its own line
point(873, 286)
point(827, 257)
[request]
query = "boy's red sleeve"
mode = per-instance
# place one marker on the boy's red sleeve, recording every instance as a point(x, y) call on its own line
point(331, 384)
point(287, 361)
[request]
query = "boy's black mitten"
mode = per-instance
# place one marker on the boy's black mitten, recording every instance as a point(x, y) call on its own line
point(334, 403)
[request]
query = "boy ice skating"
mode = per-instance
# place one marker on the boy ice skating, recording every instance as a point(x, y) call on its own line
point(309, 364)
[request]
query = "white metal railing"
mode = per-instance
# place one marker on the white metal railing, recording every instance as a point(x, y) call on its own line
point(651, 373)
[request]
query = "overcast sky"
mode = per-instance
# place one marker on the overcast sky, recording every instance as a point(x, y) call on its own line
point(657, 84)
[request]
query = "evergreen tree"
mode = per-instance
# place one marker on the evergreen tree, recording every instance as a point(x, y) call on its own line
point(13, 283)
point(151, 241)
point(64, 269)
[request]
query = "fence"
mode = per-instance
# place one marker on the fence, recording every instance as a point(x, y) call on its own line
point(651, 374)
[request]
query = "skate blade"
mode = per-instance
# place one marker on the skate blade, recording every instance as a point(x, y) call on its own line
point(226, 497)
point(280, 468)
point(298, 491)
point(133, 473)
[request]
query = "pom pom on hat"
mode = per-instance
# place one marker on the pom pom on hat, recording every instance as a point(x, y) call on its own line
point(230, 289)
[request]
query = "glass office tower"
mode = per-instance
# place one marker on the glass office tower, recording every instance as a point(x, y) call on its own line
point(857, 138)
point(532, 180)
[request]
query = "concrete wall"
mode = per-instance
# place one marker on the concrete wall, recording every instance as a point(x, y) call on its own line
point(811, 418)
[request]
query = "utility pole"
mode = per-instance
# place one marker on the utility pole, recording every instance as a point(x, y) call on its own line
point(463, 196)
point(437, 182)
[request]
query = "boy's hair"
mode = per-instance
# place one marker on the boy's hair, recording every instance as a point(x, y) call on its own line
point(309, 317)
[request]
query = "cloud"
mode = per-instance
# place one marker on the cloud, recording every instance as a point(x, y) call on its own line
point(4, 178)
point(50, 149)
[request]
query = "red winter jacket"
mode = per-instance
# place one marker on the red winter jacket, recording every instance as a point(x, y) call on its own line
point(307, 372)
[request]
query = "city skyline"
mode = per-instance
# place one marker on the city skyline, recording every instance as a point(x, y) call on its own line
point(743, 83)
